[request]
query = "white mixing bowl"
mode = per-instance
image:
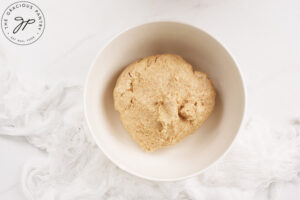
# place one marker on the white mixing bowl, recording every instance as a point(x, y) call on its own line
point(196, 152)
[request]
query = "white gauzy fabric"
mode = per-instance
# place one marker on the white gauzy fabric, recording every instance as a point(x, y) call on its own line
point(51, 119)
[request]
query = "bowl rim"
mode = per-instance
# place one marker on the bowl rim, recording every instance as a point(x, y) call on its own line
point(120, 165)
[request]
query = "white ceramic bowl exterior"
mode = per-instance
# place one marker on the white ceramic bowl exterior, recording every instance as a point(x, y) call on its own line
point(199, 150)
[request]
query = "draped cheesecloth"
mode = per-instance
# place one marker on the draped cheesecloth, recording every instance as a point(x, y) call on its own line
point(51, 119)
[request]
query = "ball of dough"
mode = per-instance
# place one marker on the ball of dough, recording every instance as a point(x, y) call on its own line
point(161, 100)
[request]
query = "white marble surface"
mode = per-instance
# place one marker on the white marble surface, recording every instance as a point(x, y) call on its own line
point(263, 36)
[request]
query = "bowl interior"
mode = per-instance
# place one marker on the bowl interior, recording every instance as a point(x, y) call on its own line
point(197, 151)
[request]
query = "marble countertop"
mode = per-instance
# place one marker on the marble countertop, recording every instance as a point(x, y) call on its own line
point(262, 35)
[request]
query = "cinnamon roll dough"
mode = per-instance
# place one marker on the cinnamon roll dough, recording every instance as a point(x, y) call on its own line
point(161, 100)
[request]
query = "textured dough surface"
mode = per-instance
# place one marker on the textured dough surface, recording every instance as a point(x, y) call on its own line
point(161, 100)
